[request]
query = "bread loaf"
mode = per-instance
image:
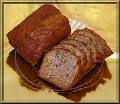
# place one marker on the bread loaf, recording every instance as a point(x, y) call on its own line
point(39, 32)
point(63, 68)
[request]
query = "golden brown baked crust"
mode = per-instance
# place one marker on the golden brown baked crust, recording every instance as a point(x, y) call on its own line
point(39, 32)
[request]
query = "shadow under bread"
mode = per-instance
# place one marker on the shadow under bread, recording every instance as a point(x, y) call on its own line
point(26, 71)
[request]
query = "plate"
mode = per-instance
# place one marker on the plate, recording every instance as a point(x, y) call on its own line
point(28, 74)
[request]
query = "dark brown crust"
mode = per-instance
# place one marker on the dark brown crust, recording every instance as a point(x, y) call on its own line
point(39, 32)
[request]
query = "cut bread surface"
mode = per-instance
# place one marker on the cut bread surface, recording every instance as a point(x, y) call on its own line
point(64, 67)
point(61, 68)
point(83, 48)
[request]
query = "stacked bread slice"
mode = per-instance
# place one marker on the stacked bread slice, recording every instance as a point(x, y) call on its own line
point(70, 60)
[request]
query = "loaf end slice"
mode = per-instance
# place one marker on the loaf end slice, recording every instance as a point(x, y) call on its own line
point(61, 68)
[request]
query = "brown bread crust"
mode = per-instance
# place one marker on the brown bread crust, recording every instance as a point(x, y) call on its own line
point(33, 37)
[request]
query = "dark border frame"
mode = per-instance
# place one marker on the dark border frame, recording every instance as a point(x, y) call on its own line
point(112, 2)
point(2, 36)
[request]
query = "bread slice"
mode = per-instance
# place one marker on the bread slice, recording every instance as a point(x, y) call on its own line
point(61, 68)
point(70, 47)
point(87, 41)
point(74, 49)
point(103, 49)
point(86, 50)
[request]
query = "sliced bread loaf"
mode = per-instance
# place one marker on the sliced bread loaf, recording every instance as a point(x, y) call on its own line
point(61, 66)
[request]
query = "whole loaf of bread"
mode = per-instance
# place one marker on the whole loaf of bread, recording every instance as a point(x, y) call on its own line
point(39, 32)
